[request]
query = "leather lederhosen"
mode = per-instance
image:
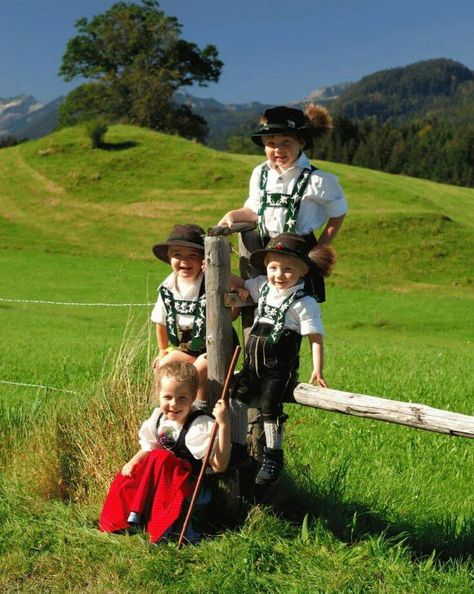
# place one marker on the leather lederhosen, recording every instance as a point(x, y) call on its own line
point(270, 370)
point(185, 343)
point(191, 341)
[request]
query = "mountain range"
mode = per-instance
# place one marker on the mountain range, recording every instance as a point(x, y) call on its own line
point(25, 117)
point(224, 119)
point(439, 88)
point(424, 89)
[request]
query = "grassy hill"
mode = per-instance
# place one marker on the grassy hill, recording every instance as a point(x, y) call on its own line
point(59, 194)
point(365, 506)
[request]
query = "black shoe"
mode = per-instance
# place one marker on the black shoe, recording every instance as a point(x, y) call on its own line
point(271, 468)
point(239, 456)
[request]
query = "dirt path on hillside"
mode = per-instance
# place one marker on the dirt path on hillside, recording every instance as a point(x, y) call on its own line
point(50, 187)
point(41, 213)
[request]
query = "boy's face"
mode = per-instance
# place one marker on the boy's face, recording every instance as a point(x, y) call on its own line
point(185, 262)
point(283, 150)
point(176, 399)
point(284, 271)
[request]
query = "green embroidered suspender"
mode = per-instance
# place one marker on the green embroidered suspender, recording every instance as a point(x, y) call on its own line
point(191, 308)
point(289, 201)
point(275, 314)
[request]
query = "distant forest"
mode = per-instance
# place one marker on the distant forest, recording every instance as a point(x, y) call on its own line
point(430, 149)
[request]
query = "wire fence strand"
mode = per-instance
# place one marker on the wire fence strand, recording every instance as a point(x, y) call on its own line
point(75, 303)
point(24, 385)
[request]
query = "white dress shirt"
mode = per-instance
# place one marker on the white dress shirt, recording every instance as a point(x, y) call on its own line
point(323, 197)
point(303, 315)
point(186, 292)
point(197, 437)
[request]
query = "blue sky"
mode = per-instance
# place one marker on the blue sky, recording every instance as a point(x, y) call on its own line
point(274, 51)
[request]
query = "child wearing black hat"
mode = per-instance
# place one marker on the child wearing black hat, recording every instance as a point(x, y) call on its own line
point(180, 311)
point(284, 314)
point(287, 193)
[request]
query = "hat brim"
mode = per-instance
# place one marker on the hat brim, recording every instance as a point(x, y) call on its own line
point(161, 249)
point(257, 258)
point(276, 130)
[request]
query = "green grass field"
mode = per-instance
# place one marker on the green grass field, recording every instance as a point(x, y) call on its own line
point(365, 506)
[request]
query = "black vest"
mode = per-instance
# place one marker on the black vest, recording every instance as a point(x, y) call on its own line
point(179, 448)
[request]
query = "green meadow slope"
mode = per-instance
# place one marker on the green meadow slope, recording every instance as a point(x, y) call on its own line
point(365, 506)
point(59, 195)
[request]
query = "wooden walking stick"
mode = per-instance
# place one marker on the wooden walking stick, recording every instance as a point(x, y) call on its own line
point(197, 488)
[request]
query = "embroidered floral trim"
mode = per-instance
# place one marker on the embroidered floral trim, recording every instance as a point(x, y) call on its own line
point(191, 308)
point(275, 314)
point(289, 201)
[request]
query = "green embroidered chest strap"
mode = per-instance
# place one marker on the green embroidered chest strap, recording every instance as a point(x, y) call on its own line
point(189, 308)
point(289, 201)
point(275, 314)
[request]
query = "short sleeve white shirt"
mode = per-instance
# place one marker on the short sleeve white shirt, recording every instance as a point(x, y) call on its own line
point(197, 437)
point(323, 197)
point(303, 315)
point(186, 292)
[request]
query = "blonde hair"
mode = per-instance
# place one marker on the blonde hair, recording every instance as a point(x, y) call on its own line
point(181, 371)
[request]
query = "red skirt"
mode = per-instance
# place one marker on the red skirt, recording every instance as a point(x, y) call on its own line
point(156, 491)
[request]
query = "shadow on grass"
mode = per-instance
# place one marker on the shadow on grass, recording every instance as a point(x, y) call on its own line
point(451, 537)
point(118, 146)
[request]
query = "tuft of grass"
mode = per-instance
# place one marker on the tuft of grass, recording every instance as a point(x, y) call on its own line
point(95, 442)
point(71, 451)
point(96, 130)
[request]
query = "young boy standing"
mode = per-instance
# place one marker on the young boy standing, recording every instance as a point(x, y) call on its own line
point(284, 314)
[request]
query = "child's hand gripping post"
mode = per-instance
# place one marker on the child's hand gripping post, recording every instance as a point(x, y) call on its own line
point(197, 488)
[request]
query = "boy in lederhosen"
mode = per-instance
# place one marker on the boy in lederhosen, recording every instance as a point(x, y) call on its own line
point(287, 193)
point(284, 314)
point(180, 311)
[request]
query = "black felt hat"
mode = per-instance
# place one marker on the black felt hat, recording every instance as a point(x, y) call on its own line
point(320, 258)
point(309, 125)
point(288, 244)
point(279, 120)
point(191, 236)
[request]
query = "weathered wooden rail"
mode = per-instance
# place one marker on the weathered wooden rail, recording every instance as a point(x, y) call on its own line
point(411, 414)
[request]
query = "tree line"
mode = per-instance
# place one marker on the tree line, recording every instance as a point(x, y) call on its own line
point(430, 149)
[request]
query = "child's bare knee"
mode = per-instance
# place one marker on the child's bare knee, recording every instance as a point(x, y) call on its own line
point(201, 364)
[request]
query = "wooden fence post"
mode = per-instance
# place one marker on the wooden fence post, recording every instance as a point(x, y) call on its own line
point(219, 355)
point(218, 318)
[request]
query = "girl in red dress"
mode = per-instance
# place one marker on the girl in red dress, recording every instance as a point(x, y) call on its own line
point(152, 487)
